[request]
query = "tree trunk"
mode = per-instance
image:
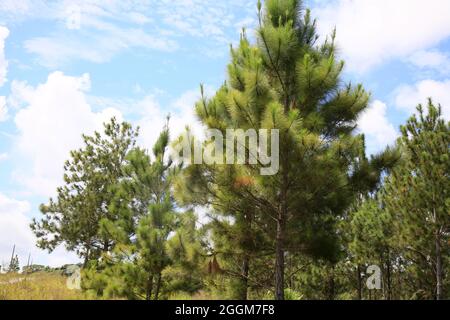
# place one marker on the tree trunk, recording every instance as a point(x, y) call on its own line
point(242, 293)
point(388, 278)
point(438, 267)
point(243, 287)
point(279, 263)
point(149, 289)
point(86, 257)
point(158, 286)
point(281, 224)
point(331, 286)
point(358, 270)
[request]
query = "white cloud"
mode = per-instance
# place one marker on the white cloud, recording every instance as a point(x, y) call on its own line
point(407, 97)
point(15, 230)
point(3, 109)
point(4, 32)
point(375, 125)
point(370, 32)
point(151, 116)
point(55, 115)
point(96, 30)
point(181, 113)
point(431, 59)
point(93, 46)
point(20, 93)
point(51, 119)
point(18, 10)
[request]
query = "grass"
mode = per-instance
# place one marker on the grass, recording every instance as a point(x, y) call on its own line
point(37, 286)
point(200, 296)
point(52, 286)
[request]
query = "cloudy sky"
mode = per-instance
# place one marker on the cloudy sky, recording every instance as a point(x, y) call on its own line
point(66, 66)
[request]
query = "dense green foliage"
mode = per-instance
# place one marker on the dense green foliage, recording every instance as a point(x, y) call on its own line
point(417, 197)
point(73, 219)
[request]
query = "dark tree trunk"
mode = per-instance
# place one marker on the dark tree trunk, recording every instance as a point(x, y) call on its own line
point(358, 270)
point(158, 286)
point(279, 263)
point(388, 278)
point(149, 289)
point(331, 286)
point(280, 236)
point(242, 293)
point(245, 273)
point(243, 288)
point(438, 267)
point(86, 257)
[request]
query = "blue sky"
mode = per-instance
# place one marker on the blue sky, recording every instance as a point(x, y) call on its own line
point(67, 66)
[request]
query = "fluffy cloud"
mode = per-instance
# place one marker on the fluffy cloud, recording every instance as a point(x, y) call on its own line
point(181, 113)
point(17, 10)
point(4, 32)
point(50, 121)
point(373, 31)
point(96, 30)
point(377, 128)
point(3, 109)
point(54, 51)
point(407, 97)
point(14, 228)
point(431, 59)
point(55, 115)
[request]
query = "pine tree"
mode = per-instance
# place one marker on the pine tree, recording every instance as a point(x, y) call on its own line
point(365, 228)
point(372, 231)
point(288, 82)
point(239, 245)
point(234, 244)
point(73, 219)
point(417, 193)
point(145, 220)
point(186, 252)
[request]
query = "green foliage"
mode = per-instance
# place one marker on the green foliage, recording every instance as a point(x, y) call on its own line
point(416, 194)
point(73, 218)
point(155, 244)
point(186, 272)
point(286, 82)
point(310, 231)
point(290, 294)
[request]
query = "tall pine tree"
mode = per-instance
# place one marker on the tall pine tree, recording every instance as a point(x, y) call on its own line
point(145, 222)
point(290, 83)
point(417, 193)
point(74, 217)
